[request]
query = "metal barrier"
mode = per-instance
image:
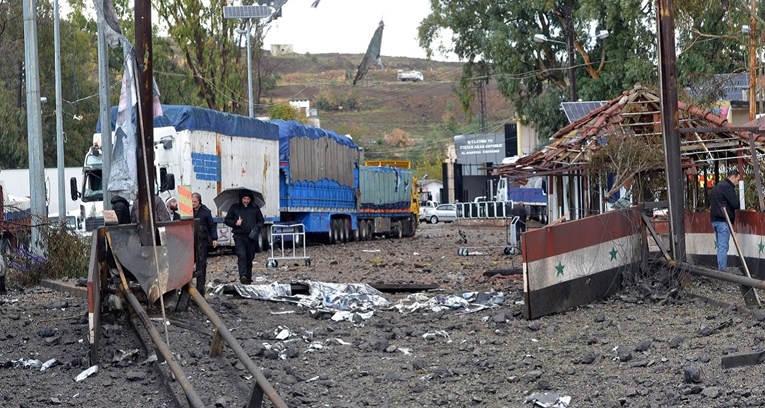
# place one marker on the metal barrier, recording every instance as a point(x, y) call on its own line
point(484, 210)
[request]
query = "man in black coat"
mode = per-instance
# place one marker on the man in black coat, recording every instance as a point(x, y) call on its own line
point(724, 199)
point(205, 234)
point(121, 208)
point(243, 217)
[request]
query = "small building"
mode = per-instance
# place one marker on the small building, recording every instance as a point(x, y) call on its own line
point(281, 49)
point(302, 104)
point(433, 189)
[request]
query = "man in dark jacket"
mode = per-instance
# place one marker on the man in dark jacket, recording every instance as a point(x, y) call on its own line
point(121, 208)
point(724, 199)
point(243, 217)
point(206, 233)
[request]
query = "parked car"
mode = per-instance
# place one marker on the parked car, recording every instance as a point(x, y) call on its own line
point(444, 212)
point(426, 209)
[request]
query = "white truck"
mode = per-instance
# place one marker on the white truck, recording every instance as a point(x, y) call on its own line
point(203, 151)
point(412, 75)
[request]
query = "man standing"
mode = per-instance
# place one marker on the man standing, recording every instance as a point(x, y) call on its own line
point(205, 233)
point(172, 208)
point(243, 217)
point(724, 200)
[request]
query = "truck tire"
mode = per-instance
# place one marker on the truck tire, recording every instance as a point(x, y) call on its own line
point(336, 239)
point(332, 231)
point(399, 230)
point(345, 224)
point(370, 230)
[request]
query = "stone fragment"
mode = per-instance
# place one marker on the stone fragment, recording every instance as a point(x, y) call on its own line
point(692, 375)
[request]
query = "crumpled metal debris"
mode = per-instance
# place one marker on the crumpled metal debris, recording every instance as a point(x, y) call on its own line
point(87, 373)
point(548, 400)
point(469, 301)
point(358, 299)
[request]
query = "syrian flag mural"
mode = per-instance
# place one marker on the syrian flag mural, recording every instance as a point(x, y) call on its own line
point(701, 247)
point(579, 262)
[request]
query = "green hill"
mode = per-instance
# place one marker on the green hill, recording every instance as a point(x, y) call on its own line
point(389, 118)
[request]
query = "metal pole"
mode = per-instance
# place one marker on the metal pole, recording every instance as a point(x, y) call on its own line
point(669, 124)
point(191, 394)
point(34, 124)
point(713, 273)
point(103, 107)
point(249, 70)
point(268, 389)
point(144, 150)
point(570, 45)
point(752, 61)
point(59, 116)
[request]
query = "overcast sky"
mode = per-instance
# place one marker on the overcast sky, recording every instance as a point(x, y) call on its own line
point(346, 26)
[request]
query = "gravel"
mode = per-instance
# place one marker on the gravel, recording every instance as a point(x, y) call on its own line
point(648, 346)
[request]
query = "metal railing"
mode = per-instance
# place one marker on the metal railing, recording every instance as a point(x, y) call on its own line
point(484, 210)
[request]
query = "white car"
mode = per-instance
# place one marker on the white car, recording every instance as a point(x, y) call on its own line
point(444, 212)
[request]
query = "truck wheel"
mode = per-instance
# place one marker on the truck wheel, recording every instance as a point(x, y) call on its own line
point(399, 230)
point(362, 231)
point(370, 230)
point(434, 219)
point(334, 225)
point(330, 234)
point(345, 233)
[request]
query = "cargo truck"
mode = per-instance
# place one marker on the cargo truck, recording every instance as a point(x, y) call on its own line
point(304, 175)
point(198, 150)
point(324, 186)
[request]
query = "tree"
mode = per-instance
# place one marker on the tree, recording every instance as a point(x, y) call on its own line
point(496, 40)
point(80, 110)
point(286, 112)
point(205, 40)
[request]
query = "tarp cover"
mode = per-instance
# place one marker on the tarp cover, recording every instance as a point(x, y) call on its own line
point(183, 117)
point(289, 129)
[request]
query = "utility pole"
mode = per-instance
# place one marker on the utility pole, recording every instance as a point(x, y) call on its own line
point(753, 61)
point(482, 101)
point(34, 124)
point(669, 124)
point(103, 108)
point(59, 116)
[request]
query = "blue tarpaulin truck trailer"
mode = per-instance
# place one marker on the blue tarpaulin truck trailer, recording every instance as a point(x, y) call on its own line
point(324, 186)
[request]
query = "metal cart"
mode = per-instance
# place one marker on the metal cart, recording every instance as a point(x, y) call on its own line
point(287, 239)
point(513, 245)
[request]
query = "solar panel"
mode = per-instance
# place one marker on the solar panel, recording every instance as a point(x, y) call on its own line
point(243, 12)
point(577, 110)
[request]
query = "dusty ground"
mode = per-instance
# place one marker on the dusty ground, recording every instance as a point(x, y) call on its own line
point(649, 346)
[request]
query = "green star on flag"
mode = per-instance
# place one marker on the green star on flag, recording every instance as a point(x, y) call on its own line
point(760, 246)
point(559, 269)
point(613, 253)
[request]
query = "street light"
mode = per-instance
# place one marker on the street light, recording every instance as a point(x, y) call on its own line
point(248, 13)
point(540, 38)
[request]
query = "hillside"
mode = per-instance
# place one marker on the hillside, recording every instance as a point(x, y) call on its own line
point(428, 112)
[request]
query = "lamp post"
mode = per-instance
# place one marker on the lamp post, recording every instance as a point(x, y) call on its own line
point(540, 38)
point(248, 13)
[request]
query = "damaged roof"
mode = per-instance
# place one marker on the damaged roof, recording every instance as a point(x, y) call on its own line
point(635, 113)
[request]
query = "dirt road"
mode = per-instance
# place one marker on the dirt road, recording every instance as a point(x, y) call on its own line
point(649, 346)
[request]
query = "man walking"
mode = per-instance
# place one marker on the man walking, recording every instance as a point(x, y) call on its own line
point(724, 200)
point(244, 217)
point(205, 234)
